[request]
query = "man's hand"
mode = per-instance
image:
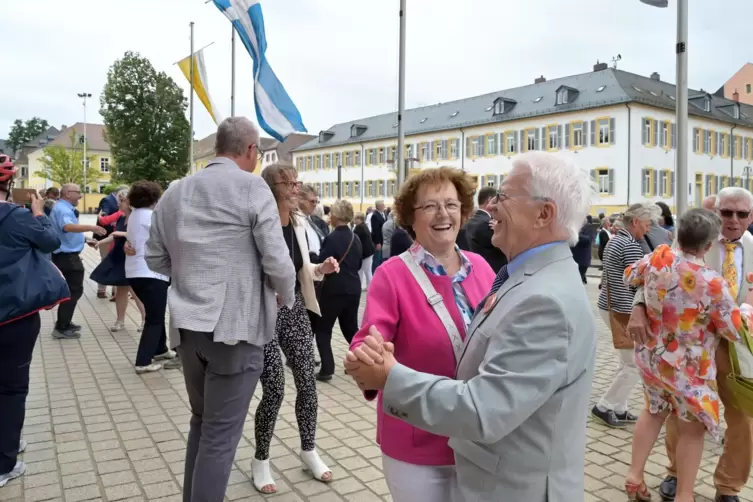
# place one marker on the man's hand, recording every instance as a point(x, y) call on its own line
point(97, 230)
point(129, 250)
point(329, 266)
point(638, 327)
point(37, 205)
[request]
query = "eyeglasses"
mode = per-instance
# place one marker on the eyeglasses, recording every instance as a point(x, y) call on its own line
point(502, 196)
point(432, 207)
point(291, 184)
point(728, 213)
point(259, 152)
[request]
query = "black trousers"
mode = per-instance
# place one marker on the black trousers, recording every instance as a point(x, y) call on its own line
point(153, 294)
point(72, 268)
point(583, 269)
point(342, 308)
point(17, 341)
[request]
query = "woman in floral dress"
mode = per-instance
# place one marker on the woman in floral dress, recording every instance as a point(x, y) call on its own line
point(689, 308)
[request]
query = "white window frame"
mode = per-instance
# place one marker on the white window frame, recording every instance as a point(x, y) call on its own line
point(603, 181)
point(577, 130)
point(604, 132)
point(104, 164)
point(477, 146)
point(553, 139)
point(454, 154)
point(510, 143)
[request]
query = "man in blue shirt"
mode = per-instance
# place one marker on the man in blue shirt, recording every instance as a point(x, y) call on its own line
point(66, 258)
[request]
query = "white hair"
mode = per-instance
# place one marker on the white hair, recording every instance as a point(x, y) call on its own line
point(734, 193)
point(557, 178)
point(319, 211)
point(641, 211)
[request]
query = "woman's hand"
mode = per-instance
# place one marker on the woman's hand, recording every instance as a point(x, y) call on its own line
point(328, 266)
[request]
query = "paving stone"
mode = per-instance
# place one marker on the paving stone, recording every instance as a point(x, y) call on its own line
point(76, 480)
point(88, 492)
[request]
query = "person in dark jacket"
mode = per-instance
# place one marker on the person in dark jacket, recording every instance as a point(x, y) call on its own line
point(368, 249)
point(107, 206)
point(480, 232)
point(605, 233)
point(582, 250)
point(378, 218)
point(401, 241)
point(340, 293)
point(29, 283)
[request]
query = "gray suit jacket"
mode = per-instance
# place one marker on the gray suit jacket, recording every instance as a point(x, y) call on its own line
point(516, 415)
point(217, 234)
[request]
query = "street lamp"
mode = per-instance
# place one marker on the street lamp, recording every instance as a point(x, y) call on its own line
point(84, 95)
point(681, 100)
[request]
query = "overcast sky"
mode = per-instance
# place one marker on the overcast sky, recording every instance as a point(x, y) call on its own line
point(338, 58)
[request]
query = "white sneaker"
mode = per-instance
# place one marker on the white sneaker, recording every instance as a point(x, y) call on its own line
point(22, 446)
point(17, 471)
point(170, 354)
point(148, 369)
point(118, 326)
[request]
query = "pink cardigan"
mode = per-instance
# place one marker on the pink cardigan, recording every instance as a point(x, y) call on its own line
point(398, 308)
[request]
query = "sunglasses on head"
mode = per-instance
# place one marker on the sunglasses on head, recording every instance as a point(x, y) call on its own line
point(728, 213)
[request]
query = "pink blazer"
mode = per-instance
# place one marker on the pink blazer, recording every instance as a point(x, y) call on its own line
point(398, 308)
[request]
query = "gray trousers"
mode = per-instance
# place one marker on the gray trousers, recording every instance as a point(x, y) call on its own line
point(220, 380)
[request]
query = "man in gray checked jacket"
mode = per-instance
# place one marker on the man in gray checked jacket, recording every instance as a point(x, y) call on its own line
point(217, 234)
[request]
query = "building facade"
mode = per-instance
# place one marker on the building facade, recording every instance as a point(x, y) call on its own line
point(617, 125)
point(739, 86)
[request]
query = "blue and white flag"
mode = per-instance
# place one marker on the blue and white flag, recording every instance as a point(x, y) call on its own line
point(275, 111)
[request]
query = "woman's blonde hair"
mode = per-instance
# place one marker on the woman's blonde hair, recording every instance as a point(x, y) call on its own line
point(276, 173)
point(342, 211)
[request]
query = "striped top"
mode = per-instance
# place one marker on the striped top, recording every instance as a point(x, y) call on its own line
point(621, 251)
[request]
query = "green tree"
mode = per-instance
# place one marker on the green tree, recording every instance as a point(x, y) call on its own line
point(145, 117)
point(23, 132)
point(64, 165)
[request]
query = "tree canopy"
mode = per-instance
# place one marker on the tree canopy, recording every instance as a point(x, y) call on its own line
point(145, 118)
point(23, 132)
point(64, 164)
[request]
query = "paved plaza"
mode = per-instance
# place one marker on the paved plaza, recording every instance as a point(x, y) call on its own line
point(98, 431)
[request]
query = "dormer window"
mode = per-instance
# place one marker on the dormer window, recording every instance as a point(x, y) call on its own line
point(736, 111)
point(356, 130)
point(701, 101)
point(566, 95)
point(325, 136)
point(503, 105)
point(706, 104)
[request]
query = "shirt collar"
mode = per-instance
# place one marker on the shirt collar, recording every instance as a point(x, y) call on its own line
point(724, 240)
point(516, 262)
point(425, 258)
point(625, 233)
point(65, 203)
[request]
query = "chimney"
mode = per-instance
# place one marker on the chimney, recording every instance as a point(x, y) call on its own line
point(736, 96)
point(600, 66)
point(539, 80)
point(655, 76)
point(63, 127)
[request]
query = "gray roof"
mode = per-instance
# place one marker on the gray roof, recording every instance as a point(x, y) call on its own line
point(618, 87)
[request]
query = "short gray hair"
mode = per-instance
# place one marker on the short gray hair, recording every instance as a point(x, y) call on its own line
point(697, 228)
point(641, 211)
point(319, 211)
point(618, 224)
point(555, 177)
point(734, 193)
point(342, 211)
point(307, 188)
point(122, 194)
point(234, 136)
point(358, 216)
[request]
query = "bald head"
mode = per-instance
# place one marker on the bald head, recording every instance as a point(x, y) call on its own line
point(709, 203)
point(70, 192)
point(238, 139)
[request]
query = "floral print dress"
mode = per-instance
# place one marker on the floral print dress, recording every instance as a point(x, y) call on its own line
point(689, 307)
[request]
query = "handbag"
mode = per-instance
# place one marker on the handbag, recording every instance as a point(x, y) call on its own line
point(436, 301)
point(740, 379)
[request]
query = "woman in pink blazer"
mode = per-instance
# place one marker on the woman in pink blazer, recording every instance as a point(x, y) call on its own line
point(432, 205)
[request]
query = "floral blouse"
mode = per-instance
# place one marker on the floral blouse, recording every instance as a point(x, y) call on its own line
point(427, 260)
point(688, 306)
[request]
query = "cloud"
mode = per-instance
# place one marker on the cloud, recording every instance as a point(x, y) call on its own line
point(338, 58)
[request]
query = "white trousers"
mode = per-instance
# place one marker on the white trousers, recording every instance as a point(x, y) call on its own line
point(616, 397)
point(420, 483)
point(365, 272)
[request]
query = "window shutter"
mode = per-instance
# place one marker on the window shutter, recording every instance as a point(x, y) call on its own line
point(644, 133)
point(594, 175)
point(612, 129)
point(656, 132)
point(567, 135)
point(483, 181)
point(695, 139)
point(559, 137)
point(707, 142)
point(716, 145)
point(672, 184)
point(745, 148)
point(593, 132)
point(673, 134)
point(468, 147)
point(523, 141)
point(585, 133)
point(516, 146)
point(537, 139)
point(661, 138)
point(718, 180)
point(655, 175)
point(732, 144)
point(611, 181)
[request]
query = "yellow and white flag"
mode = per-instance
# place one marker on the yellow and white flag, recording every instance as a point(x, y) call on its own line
point(200, 82)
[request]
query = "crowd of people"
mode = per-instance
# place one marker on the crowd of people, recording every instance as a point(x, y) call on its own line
point(477, 341)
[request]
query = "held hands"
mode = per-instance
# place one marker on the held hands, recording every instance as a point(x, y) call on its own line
point(329, 266)
point(370, 363)
point(129, 250)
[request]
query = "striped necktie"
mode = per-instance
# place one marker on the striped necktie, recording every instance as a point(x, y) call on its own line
point(502, 276)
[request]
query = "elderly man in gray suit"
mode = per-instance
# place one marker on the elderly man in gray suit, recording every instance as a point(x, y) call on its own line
point(217, 235)
point(516, 415)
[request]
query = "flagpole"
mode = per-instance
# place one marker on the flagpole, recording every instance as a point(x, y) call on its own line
point(232, 71)
point(400, 163)
point(190, 139)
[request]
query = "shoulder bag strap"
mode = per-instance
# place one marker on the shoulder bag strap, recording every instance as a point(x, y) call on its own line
point(352, 238)
point(436, 302)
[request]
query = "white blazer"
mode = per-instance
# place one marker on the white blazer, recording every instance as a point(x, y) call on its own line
point(308, 273)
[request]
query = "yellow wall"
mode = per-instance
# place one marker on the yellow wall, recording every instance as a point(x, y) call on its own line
point(94, 176)
point(92, 202)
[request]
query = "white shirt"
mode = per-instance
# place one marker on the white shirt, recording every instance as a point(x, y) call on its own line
point(368, 220)
point(314, 245)
point(738, 258)
point(139, 223)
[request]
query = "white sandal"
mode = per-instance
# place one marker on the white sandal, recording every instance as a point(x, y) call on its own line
point(261, 476)
point(313, 463)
